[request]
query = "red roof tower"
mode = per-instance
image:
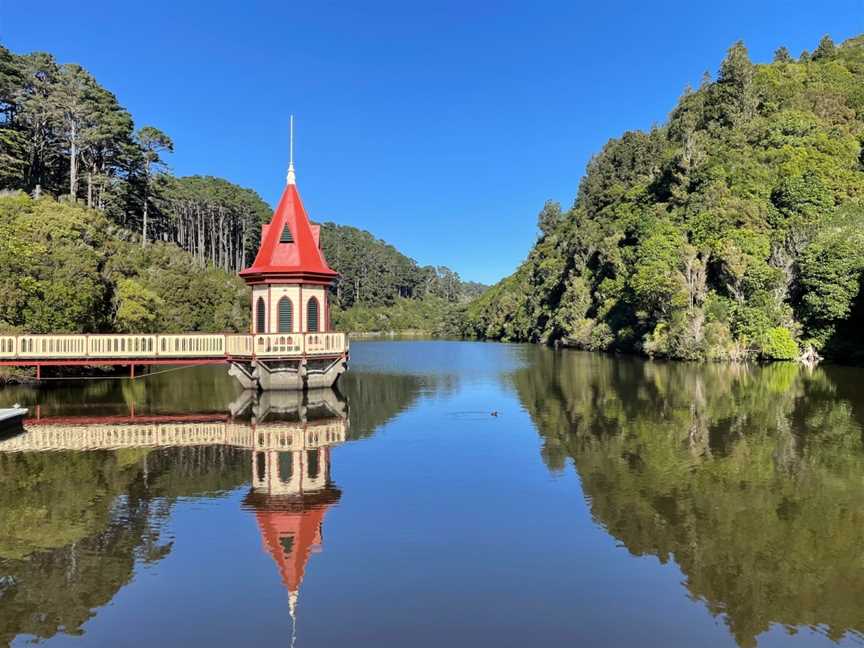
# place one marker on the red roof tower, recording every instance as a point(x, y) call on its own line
point(290, 277)
point(289, 247)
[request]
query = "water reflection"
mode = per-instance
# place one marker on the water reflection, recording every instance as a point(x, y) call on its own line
point(70, 540)
point(748, 481)
point(750, 478)
point(84, 499)
point(291, 488)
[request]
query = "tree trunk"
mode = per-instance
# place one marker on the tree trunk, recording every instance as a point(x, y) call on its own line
point(73, 164)
point(144, 224)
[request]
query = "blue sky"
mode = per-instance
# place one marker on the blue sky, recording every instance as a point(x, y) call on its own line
point(441, 127)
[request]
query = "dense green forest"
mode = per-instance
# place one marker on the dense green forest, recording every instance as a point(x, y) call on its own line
point(66, 268)
point(68, 143)
point(726, 469)
point(734, 230)
point(376, 273)
point(91, 218)
point(61, 133)
point(381, 289)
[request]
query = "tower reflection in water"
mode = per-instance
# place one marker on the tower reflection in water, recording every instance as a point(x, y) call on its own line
point(289, 436)
point(291, 487)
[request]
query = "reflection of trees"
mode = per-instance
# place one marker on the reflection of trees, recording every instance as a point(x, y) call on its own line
point(375, 398)
point(166, 390)
point(75, 523)
point(196, 471)
point(749, 478)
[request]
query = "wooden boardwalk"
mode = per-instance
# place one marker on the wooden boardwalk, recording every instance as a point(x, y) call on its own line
point(189, 348)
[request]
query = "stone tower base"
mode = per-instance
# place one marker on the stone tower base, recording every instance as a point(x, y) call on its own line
point(294, 374)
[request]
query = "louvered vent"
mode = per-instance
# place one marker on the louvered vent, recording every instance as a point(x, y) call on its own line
point(286, 236)
point(312, 316)
point(260, 317)
point(286, 316)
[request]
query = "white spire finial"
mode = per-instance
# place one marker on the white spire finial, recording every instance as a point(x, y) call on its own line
point(291, 177)
point(292, 608)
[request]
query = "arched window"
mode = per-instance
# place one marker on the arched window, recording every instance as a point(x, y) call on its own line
point(286, 466)
point(313, 463)
point(286, 315)
point(260, 316)
point(312, 315)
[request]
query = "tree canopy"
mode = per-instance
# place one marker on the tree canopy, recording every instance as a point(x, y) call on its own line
point(66, 269)
point(733, 230)
point(381, 289)
point(64, 135)
point(61, 133)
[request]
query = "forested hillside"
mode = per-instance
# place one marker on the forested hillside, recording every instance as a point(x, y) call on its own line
point(734, 230)
point(374, 272)
point(381, 289)
point(67, 269)
point(63, 135)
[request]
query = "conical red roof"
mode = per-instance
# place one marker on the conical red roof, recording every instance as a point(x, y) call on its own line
point(301, 258)
point(291, 528)
point(290, 538)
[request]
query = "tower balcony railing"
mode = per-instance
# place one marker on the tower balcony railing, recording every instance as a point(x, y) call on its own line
point(292, 344)
point(179, 346)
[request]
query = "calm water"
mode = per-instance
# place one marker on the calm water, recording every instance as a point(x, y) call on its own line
point(611, 502)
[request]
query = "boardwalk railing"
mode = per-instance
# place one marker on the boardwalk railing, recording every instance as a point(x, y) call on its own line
point(195, 345)
point(267, 436)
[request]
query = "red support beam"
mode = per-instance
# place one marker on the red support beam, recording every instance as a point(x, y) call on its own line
point(116, 420)
point(105, 362)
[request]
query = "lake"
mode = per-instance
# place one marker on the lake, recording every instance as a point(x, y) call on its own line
point(450, 493)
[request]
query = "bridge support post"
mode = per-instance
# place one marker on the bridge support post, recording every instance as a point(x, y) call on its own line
point(289, 374)
point(132, 371)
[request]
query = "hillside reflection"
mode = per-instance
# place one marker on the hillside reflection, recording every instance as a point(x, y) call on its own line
point(750, 478)
point(87, 490)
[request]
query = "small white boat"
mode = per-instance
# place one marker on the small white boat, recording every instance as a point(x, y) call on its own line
point(12, 418)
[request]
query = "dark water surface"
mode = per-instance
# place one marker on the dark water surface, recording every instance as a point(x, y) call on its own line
point(611, 502)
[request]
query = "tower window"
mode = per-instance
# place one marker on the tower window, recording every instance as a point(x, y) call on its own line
point(287, 542)
point(286, 315)
point(312, 315)
point(260, 316)
point(286, 466)
point(313, 463)
point(286, 235)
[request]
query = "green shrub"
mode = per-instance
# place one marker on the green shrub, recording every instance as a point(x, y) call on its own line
point(719, 344)
point(778, 344)
point(601, 337)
